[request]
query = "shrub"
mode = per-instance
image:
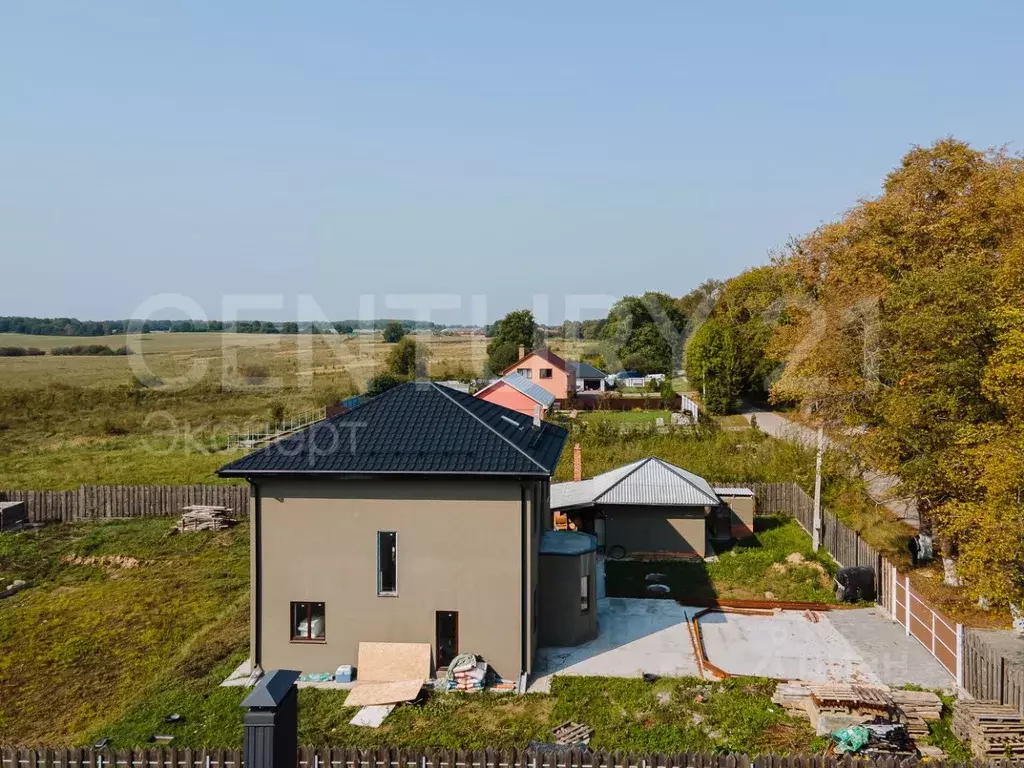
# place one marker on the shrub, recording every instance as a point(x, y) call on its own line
point(90, 349)
point(20, 352)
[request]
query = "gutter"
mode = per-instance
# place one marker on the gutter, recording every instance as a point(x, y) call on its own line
point(522, 583)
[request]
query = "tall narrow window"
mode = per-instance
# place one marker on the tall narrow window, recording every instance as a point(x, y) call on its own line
point(308, 622)
point(584, 594)
point(387, 563)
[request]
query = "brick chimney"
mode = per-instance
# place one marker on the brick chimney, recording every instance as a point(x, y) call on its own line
point(577, 463)
point(522, 351)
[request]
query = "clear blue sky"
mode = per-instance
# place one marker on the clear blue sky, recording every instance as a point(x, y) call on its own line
point(338, 149)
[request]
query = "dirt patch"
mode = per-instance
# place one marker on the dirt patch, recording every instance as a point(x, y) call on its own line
point(109, 562)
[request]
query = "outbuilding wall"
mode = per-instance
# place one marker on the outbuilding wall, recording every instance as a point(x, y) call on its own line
point(562, 621)
point(679, 530)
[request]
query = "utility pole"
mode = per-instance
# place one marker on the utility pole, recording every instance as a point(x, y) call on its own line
point(816, 525)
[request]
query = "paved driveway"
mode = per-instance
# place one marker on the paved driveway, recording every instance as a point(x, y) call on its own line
point(637, 636)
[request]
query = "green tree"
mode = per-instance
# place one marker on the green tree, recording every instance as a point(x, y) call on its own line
point(382, 382)
point(713, 365)
point(408, 359)
point(647, 351)
point(344, 328)
point(394, 331)
point(290, 328)
point(516, 329)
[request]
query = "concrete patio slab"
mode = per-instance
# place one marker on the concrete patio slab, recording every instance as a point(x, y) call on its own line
point(789, 645)
point(635, 636)
point(896, 658)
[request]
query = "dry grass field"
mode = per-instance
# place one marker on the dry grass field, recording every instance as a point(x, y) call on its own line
point(163, 413)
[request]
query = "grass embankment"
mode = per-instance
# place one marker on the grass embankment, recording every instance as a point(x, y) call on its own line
point(746, 570)
point(115, 613)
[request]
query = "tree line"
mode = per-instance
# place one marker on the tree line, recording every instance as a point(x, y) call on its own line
point(901, 328)
point(70, 326)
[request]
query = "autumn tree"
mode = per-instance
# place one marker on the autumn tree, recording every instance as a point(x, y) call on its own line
point(905, 323)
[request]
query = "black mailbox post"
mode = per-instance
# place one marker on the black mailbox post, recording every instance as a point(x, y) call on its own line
point(272, 722)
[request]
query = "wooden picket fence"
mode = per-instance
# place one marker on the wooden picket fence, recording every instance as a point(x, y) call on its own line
point(105, 502)
point(386, 757)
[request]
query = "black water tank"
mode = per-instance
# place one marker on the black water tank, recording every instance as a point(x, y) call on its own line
point(855, 584)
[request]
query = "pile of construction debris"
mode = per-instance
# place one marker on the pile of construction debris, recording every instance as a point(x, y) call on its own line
point(833, 707)
point(469, 673)
point(203, 517)
point(992, 729)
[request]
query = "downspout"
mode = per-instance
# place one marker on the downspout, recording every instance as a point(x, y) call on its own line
point(257, 586)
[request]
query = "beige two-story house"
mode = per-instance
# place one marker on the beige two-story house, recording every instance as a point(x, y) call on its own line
point(417, 517)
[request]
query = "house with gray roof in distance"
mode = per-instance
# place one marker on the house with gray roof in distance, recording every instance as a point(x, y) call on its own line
point(421, 515)
point(588, 378)
point(652, 507)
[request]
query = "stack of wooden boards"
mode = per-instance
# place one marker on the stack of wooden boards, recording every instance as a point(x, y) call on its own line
point(833, 706)
point(201, 517)
point(993, 730)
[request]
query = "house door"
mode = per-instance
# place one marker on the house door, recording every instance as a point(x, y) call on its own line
point(447, 637)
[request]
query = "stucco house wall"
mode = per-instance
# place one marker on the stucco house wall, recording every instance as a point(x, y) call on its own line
point(318, 543)
point(561, 383)
point(510, 397)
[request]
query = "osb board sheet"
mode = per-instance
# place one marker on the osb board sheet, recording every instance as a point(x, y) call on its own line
point(393, 662)
point(368, 694)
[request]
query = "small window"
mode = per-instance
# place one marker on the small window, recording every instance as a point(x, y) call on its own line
point(387, 563)
point(528, 373)
point(308, 622)
point(584, 594)
point(545, 373)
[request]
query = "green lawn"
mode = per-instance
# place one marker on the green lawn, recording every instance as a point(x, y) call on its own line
point(744, 571)
point(671, 715)
point(637, 416)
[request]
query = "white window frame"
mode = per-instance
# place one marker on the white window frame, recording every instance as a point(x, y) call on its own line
point(380, 572)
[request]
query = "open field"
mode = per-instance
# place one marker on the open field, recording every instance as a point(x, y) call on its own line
point(71, 420)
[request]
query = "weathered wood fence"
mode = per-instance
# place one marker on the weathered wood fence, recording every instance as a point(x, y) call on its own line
point(988, 674)
point(99, 502)
point(384, 757)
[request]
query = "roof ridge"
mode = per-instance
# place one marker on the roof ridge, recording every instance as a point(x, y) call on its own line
point(440, 389)
point(672, 468)
point(639, 464)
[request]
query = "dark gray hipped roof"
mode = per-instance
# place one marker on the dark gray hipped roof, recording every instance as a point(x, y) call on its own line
point(417, 428)
point(585, 370)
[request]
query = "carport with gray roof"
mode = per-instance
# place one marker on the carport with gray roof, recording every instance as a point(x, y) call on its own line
point(647, 506)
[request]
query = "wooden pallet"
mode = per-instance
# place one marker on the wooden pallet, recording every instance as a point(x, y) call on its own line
point(992, 729)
